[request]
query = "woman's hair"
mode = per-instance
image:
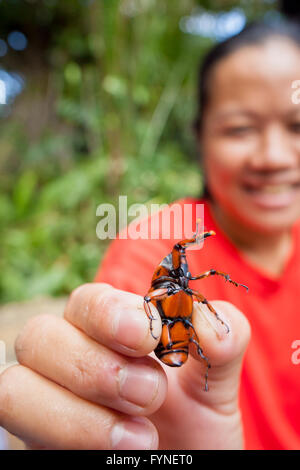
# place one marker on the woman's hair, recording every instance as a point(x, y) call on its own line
point(253, 34)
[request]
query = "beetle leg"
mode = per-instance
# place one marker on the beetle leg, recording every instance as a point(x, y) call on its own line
point(203, 300)
point(201, 354)
point(158, 294)
point(151, 318)
point(213, 272)
point(194, 339)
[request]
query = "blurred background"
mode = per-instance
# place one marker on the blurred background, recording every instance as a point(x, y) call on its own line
point(97, 99)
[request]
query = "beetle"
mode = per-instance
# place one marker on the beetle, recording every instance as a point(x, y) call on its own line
point(171, 295)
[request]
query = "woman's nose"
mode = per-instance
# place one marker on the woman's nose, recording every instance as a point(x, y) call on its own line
point(275, 151)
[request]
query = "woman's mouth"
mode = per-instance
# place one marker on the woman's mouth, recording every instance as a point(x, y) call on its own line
point(272, 196)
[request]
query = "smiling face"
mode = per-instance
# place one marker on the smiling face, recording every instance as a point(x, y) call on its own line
point(250, 136)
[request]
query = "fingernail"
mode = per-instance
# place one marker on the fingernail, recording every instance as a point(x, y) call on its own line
point(138, 383)
point(130, 330)
point(211, 320)
point(134, 433)
point(221, 329)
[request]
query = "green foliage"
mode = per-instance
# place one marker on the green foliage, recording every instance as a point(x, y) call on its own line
point(107, 110)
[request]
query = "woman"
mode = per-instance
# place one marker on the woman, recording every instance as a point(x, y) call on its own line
point(90, 373)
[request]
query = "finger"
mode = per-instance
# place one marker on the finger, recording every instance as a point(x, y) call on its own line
point(61, 352)
point(114, 318)
point(44, 413)
point(224, 352)
point(222, 345)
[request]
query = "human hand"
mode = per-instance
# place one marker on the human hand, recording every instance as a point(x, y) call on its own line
point(85, 381)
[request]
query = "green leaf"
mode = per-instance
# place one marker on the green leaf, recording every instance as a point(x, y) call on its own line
point(24, 191)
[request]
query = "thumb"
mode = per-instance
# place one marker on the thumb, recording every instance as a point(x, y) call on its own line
point(224, 351)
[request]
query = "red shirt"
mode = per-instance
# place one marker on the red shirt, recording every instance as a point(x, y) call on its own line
point(270, 381)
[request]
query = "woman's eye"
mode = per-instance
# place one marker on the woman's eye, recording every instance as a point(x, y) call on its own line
point(295, 127)
point(239, 130)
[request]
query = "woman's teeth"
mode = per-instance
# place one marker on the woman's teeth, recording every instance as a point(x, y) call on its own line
point(273, 188)
point(273, 196)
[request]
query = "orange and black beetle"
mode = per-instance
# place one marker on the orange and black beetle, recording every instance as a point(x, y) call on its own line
point(171, 295)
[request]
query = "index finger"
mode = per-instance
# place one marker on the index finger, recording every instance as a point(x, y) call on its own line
point(114, 318)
